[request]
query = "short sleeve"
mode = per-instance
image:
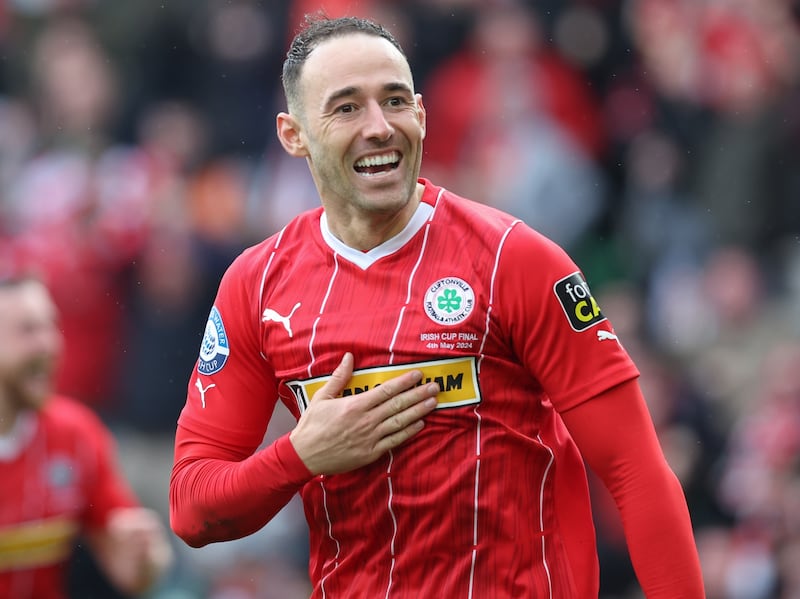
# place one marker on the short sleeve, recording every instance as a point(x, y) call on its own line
point(556, 327)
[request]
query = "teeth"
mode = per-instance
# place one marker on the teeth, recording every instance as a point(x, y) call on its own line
point(379, 160)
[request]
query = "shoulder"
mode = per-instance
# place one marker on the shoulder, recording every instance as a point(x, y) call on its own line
point(248, 268)
point(68, 408)
point(518, 248)
point(451, 207)
point(483, 221)
point(68, 414)
point(252, 261)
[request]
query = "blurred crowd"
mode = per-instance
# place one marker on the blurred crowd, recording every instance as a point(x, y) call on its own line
point(658, 141)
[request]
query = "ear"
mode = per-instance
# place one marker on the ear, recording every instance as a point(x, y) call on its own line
point(289, 135)
point(421, 114)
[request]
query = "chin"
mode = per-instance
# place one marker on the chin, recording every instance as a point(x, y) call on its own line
point(391, 196)
point(34, 396)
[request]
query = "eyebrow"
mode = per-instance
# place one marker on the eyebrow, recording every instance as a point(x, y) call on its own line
point(351, 90)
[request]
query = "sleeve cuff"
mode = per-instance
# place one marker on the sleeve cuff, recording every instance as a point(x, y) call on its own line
point(295, 470)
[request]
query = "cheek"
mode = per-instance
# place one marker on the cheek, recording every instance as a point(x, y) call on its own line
point(326, 160)
point(7, 360)
point(13, 361)
point(11, 372)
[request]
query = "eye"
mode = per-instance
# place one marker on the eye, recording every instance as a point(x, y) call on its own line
point(397, 101)
point(346, 108)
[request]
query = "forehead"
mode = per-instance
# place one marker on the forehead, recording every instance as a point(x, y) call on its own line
point(355, 60)
point(27, 300)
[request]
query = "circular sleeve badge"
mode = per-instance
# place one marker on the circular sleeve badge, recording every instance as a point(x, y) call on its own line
point(214, 350)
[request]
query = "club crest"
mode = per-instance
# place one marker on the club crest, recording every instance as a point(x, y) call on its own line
point(449, 301)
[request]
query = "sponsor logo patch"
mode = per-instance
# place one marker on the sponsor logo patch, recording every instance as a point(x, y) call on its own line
point(580, 307)
point(457, 378)
point(38, 543)
point(214, 350)
point(449, 301)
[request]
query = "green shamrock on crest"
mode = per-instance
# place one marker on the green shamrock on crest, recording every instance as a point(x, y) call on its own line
point(449, 301)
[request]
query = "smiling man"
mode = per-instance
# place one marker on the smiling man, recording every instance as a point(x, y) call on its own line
point(445, 365)
point(60, 479)
point(362, 136)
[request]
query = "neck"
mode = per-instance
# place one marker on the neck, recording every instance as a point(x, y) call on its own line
point(364, 232)
point(8, 415)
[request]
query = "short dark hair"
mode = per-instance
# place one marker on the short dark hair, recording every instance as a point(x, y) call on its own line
point(317, 28)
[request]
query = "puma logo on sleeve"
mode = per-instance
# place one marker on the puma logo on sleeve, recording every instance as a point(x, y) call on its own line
point(202, 390)
point(604, 335)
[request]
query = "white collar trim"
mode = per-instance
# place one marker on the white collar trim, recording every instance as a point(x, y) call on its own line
point(14, 442)
point(365, 259)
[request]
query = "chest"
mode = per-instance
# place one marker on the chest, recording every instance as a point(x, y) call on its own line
point(401, 309)
point(45, 481)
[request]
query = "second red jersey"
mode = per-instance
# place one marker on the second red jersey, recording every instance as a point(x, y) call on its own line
point(60, 479)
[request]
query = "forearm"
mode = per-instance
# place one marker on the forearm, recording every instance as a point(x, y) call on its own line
point(616, 436)
point(658, 533)
point(216, 499)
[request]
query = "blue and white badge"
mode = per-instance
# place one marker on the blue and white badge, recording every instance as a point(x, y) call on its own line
point(214, 350)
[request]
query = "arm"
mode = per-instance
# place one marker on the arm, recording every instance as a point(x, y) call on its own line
point(218, 494)
point(615, 434)
point(132, 550)
point(128, 541)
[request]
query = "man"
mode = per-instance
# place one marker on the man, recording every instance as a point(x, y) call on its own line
point(59, 477)
point(448, 367)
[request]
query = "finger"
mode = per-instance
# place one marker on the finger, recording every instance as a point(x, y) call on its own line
point(398, 421)
point(391, 388)
point(402, 401)
point(134, 525)
point(338, 380)
point(131, 518)
point(399, 437)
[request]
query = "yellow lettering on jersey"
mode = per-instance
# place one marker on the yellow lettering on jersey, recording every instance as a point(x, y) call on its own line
point(457, 379)
point(586, 313)
point(38, 543)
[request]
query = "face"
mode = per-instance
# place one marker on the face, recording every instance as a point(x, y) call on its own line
point(360, 126)
point(30, 343)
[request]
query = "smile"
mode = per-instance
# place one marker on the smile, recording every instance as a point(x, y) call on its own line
point(375, 165)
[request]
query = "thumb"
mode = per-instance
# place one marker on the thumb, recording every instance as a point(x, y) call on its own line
point(339, 379)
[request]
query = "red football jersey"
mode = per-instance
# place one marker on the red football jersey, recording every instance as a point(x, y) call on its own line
point(58, 478)
point(490, 499)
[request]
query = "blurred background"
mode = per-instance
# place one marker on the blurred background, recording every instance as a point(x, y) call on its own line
point(658, 141)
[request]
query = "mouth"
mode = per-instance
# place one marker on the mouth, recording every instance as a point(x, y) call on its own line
point(379, 164)
point(40, 371)
point(34, 383)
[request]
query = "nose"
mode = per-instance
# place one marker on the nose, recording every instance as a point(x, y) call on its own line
point(376, 125)
point(49, 339)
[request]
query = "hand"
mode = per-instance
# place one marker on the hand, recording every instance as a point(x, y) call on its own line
point(339, 434)
point(133, 549)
